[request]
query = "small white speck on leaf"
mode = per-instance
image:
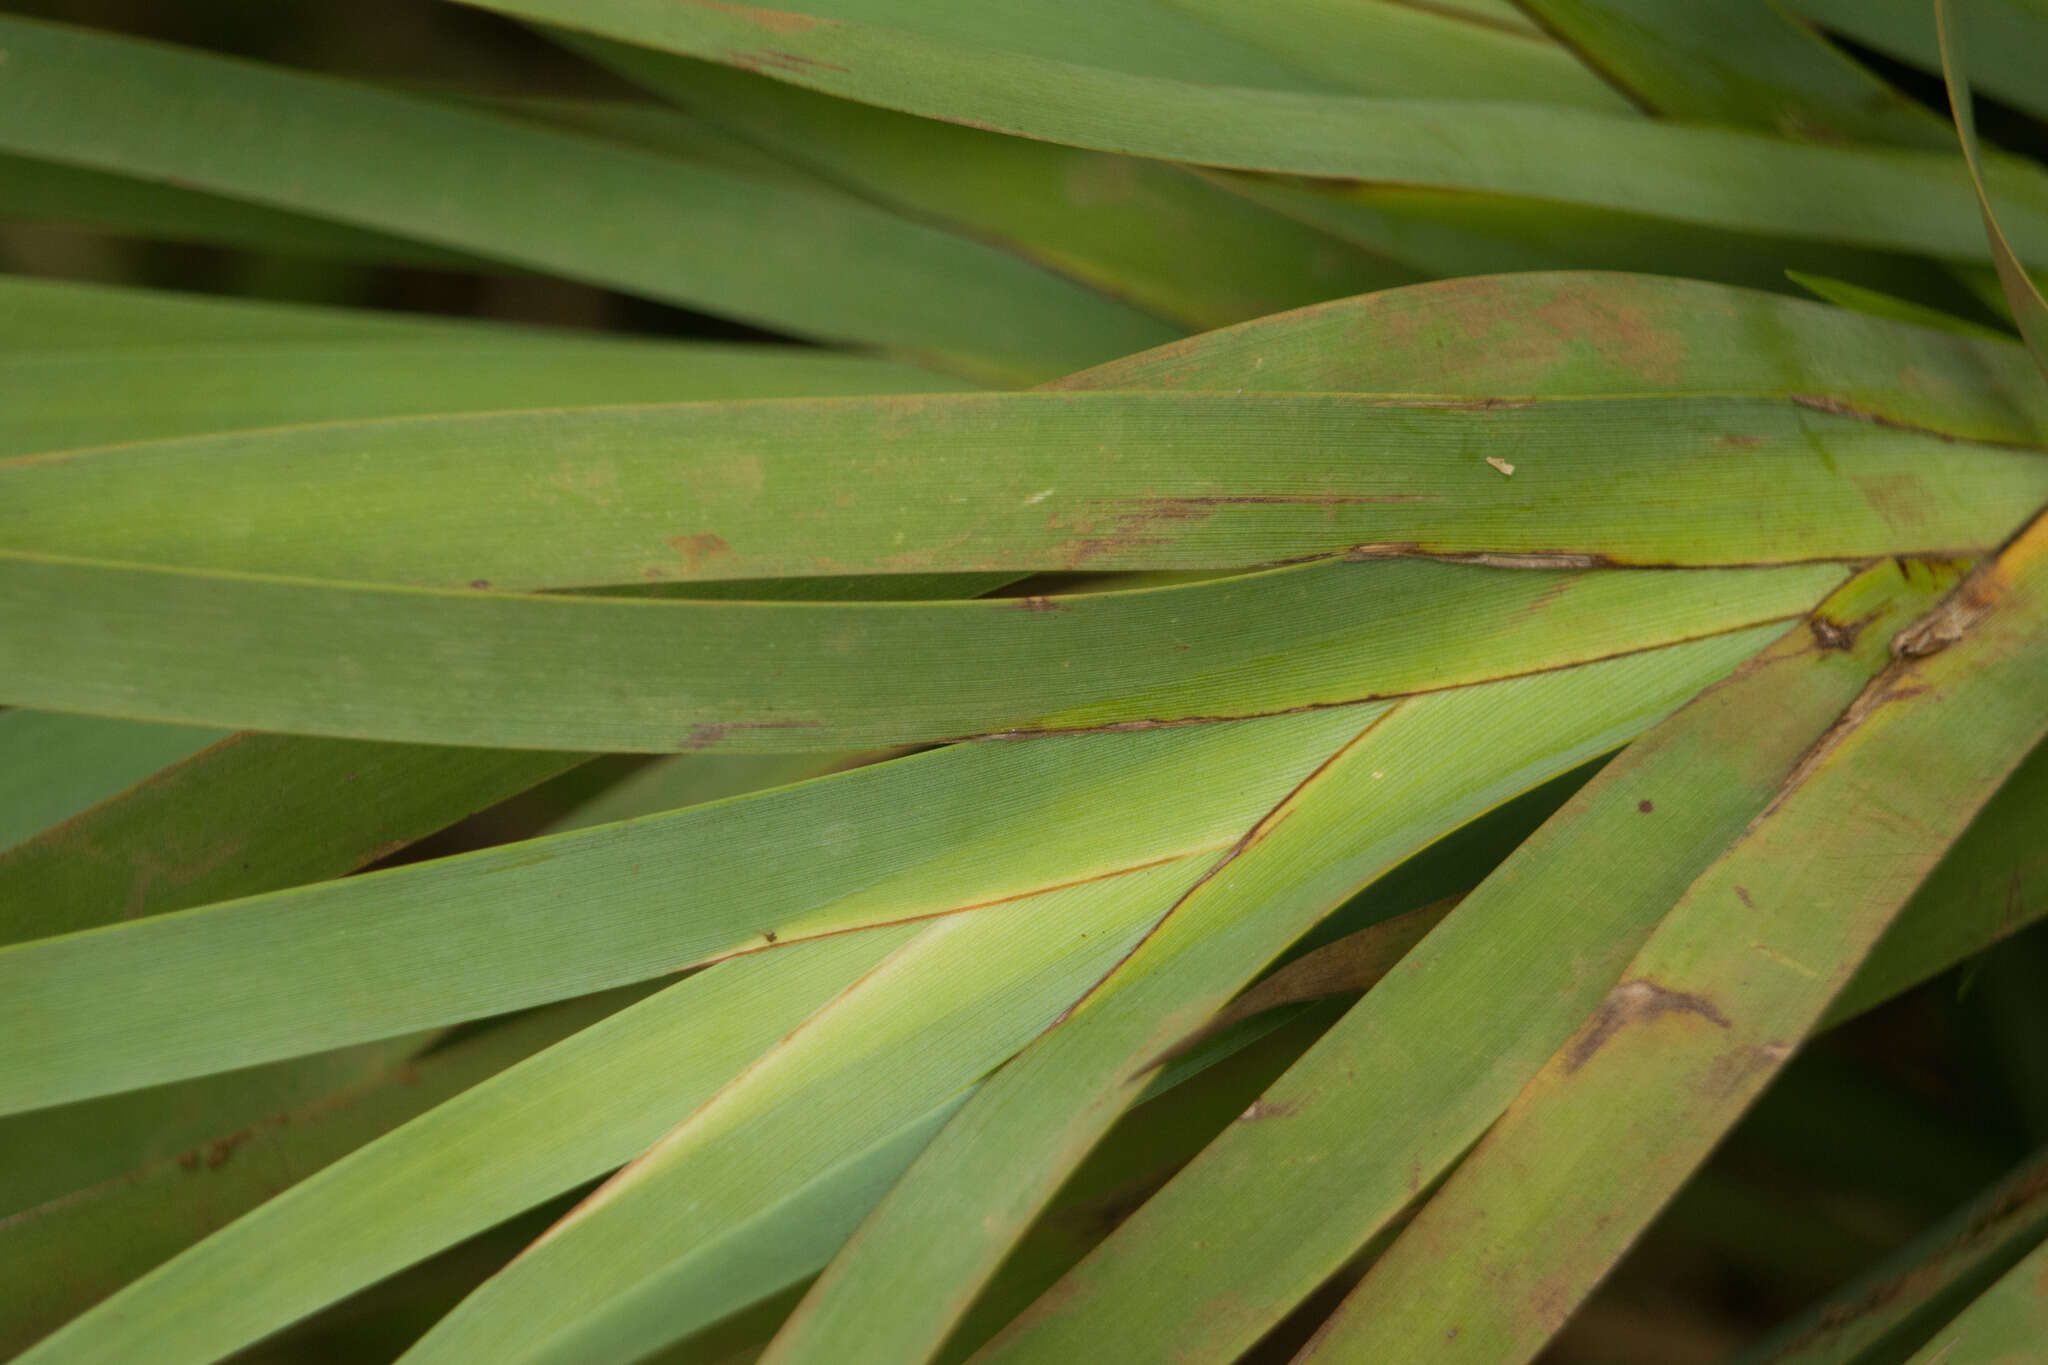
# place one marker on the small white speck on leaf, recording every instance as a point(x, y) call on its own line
point(1039, 497)
point(1502, 465)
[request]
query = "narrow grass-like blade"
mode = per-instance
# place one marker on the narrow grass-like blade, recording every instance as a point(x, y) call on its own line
point(2029, 309)
point(52, 767)
point(1924, 1283)
point(1449, 232)
point(2007, 37)
point(1419, 770)
point(90, 398)
point(1854, 296)
point(949, 1007)
point(535, 1130)
point(1731, 982)
point(89, 1242)
point(1418, 50)
point(1384, 1104)
point(1720, 177)
point(1599, 333)
point(247, 814)
point(338, 962)
point(818, 265)
point(1741, 62)
point(2005, 1326)
point(1992, 884)
point(37, 191)
point(955, 483)
point(607, 674)
point(39, 316)
point(1170, 241)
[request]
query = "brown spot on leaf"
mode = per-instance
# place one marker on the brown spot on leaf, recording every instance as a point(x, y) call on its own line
point(1265, 1109)
point(1646, 805)
point(773, 20)
point(480, 583)
point(1742, 894)
point(1830, 634)
point(1636, 1002)
point(1037, 603)
point(698, 548)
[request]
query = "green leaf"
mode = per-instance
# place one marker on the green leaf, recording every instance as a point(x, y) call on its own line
point(249, 813)
point(816, 265)
point(1922, 1285)
point(1453, 231)
point(52, 767)
point(603, 674)
point(339, 962)
point(1993, 883)
point(40, 316)
point(1603, 334)
point(1399, 49)
point(85, 398)
point(2005, 1326)
point(1741, 62)
point(93, 1239)
point(1415, 772)
point(1391, 1097)
point(948, 1007)
point(533, 1131)
point(1157, 235)
point(1854, 296)
point(1730, 983)
point(71, 196)
point(2006, 35)
point(1901, 200)
point(2029, 309)
point(1011, 483)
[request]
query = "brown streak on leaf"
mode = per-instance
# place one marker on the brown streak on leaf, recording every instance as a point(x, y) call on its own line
point(1636, 1002)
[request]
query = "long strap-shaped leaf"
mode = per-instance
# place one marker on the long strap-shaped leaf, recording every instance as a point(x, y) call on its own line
point(2005, 1326)
point(247, 814)
point(2029, 309)
point(90, 398)
point(607, 674)
point(74, 197)
point(2007, 35)
point(1933, 1274)
point(1733, 979)
point(92, 1240)
point(823, 266)
point(535, 1130)
point(1401, 49)
point(1164, 238)
point(321, 966)
point(1419, 770)
point(1721, 177)
point(1389, 1099)
point(1020, 482)
point(1741, 62)
point(44, 315)
point(54, 766)
point(1992, 884)
point(948, 1008)
point(1599, 333)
